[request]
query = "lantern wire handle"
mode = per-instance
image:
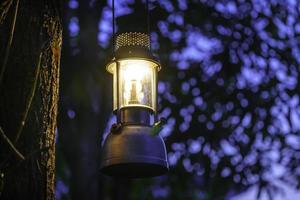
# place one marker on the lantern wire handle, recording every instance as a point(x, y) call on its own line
point(148, 21)
point(113, 27)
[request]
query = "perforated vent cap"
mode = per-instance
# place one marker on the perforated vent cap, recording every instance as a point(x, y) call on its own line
point(132, 39)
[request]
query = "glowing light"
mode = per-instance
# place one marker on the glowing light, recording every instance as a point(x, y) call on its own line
point(137, 83)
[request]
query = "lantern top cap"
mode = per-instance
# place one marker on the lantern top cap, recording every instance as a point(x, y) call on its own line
point(134, 46)
point(132, 39)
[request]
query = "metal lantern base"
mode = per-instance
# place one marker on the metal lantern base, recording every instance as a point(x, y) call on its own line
point(132, 152)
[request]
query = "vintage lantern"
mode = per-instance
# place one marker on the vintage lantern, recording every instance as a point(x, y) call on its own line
point(133, 149)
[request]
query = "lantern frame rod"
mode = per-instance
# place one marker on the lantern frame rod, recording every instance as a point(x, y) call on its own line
point(156, 98)
point(118, 92)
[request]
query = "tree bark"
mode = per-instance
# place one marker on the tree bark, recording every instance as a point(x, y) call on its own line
point(30, 44)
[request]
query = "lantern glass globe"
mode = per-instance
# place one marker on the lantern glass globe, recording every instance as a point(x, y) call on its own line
point(136, 82)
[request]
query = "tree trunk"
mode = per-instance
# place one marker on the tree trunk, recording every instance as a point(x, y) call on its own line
point(30, 44)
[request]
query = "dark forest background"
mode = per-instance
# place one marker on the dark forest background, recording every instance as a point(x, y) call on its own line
point(229, 89)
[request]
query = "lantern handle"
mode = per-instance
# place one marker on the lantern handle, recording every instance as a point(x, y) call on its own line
point(148, 22)
point(113, 27)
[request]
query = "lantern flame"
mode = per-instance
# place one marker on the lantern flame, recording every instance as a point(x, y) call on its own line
point(135, 79)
